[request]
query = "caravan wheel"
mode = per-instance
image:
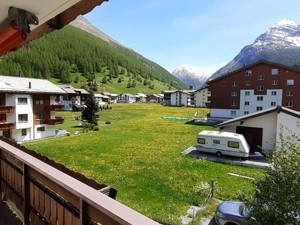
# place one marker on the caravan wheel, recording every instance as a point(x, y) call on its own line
point(219, 154)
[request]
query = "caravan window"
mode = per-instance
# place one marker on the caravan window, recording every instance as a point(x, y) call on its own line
point(233, 144)
point(201, 140)
point(216, 141)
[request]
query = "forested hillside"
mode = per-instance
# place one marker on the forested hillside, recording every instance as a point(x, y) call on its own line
point(71, 55)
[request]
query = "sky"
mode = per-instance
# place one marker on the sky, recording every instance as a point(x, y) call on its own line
point(205, 34)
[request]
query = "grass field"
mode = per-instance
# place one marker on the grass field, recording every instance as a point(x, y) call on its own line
point(139, 154)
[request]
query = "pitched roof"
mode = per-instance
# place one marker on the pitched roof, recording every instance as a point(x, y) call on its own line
point(209, 81)
point(10, 84)
point(277, 109)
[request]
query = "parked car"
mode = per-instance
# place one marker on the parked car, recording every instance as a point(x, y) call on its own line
point(232, 213)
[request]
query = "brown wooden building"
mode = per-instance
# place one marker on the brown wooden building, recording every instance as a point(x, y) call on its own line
point(254, 88)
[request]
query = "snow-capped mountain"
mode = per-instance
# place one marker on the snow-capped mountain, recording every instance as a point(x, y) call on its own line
point(190, 76)
point(279, 44)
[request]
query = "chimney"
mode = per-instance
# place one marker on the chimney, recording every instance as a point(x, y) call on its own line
point(29, 85)
point(191, 87)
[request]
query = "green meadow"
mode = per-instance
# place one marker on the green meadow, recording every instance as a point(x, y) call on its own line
point(139, 154)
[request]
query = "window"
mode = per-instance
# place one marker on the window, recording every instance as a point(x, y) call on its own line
point(41, 129)
point(247, 103)
point(289, 93)
point(40, 116)
point(247, 93)
point(289, 104)
point(22, 101)
point(248, 83)
point(233, 144)
point(261, 77)
point(24, 132)
point(234, 93)
point(273, 103)
point(246, 112)
point(273, 93)
point(216, 141)
point(234, 83)
point(39, 102)
point(233, 113)
point(248, 73)
point(290, 82)
point(274, 82)
point(260, 98)
point(274, 72)
point(233, 103)
point(259, 108)
point(260, 88)
point(223, 84)
point(23, 117)
point(201, 141)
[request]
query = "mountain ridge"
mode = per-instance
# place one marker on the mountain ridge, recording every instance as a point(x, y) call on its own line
point(279, 44)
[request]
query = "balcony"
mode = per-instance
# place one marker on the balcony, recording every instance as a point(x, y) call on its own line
point(44, 193)
point(6, 109)
point(57, 107)
point(6, 126)
point(56, 121)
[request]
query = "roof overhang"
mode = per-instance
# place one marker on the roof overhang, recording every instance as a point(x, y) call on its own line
point(23, 21)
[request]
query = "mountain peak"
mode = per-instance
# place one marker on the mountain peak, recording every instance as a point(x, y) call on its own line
point(286, 22)
point(189, 75)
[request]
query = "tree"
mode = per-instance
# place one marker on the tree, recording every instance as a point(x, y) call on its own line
point(277, 200)
point(89, 113)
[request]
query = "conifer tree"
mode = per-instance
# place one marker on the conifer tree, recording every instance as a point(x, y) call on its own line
point(89, 113)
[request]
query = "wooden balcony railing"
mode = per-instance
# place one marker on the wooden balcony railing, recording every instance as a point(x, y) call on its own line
point(44, 194)
point(57, 120)
point(6, 126)
point(6, 109)
point(57, 107)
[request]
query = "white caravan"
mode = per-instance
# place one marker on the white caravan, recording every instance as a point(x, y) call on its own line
point(222, 143)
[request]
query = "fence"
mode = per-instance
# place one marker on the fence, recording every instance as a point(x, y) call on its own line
point(43, 194)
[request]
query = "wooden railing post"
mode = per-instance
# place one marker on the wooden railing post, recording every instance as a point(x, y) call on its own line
point(0, 174)
point(26, 197)
point(83, 213)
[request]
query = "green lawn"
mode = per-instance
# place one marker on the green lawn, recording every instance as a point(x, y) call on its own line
point(139, 154)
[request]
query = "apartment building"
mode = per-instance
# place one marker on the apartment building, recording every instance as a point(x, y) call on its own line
point(253, 88)
point(202, 97)
point(179, 98)
point(27, 108)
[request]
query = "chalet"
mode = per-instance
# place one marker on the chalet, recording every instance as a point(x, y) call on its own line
point(28, 108)
point(155, 98)
point(179, 98)
point(202, 97)
point(73, 97)
point(112, 98)
point(101, 99)
point(141, 97)
point(262, 129)
point(252, 88)
point(126, 98)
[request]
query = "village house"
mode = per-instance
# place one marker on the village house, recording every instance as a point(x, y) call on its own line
point(179, 98)
point(262, 129)
point(141, 97)
point(202, 97)
point(112, 98)
point(73, 98)
point(252, 88)
point(126, 98)
point(155, 98)
point(101, 99)
point(28, 108)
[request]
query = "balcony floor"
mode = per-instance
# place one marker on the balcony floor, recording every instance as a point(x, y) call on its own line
point(7, 216)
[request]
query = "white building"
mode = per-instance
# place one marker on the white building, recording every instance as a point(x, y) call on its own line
point(182, 98)
point(27, 108)
point(101, 99)
point(126, 98)
point(263, 128)
point(202, 97)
